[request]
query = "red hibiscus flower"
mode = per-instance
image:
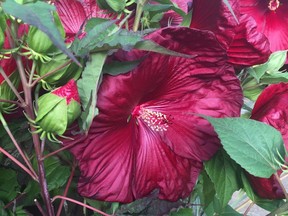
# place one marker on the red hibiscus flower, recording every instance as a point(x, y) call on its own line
point(73, 15)
point(148, 136)
point(271, 108)
point(244, 44)
point(271, 18)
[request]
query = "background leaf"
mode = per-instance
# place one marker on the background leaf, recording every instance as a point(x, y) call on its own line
point(250, 143)
point(223, 172)
point(8, 185)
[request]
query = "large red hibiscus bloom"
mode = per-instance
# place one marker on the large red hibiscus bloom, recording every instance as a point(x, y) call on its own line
point(271, 18)
point(271, 108)
point(148, 135)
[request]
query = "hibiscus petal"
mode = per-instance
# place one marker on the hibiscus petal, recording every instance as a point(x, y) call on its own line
point(249, 47)
point(215, 16)
point(272, 23)
point(72, 16)
point(158, 168)
point(106, 164)
point(267, 188)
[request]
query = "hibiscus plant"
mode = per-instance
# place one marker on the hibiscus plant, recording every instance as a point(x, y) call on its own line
point(143, 107)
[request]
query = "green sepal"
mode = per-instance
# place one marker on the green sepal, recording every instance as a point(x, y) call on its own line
point(55, 121)
point(2, 28)
point(73, 111)
point(46, 103)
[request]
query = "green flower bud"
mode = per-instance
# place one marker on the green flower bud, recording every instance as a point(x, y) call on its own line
point(39, 43)
point(57, 110)
point(70, 71)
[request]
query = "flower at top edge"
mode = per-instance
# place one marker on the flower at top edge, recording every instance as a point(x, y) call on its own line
point(245, 45)
point(148, 135)
point(271, 18)
point(74, 14)
point(271, 108)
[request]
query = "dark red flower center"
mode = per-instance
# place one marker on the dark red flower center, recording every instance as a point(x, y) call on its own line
point(156, 120)
point(273, 5)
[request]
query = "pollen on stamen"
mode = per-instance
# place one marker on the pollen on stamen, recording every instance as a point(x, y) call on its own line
point(157, 121)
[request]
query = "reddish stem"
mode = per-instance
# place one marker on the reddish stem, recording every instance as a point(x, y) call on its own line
point(28, 163)
point(67, 188)
point(18, 163)
point(58, 150)
point(79, 203)
point(39, 207)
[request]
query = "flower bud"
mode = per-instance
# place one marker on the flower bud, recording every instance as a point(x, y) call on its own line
point(58, 109)
point(70, 71)
point(39, 42)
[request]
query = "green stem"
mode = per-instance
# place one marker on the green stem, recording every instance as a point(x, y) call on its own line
point(32, 73)
point(28, 163)
point(139, 11)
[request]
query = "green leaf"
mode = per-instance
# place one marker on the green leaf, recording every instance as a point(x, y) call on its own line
point(250, 143)
point(88, 86)
point(39, 14)
point(114, 68)
point(112, 5)
point(223, 173)
point(148, 45)
point(8, 185)
point(93, 37)
point(215, 208)
point(182, 212)
point(56, 173)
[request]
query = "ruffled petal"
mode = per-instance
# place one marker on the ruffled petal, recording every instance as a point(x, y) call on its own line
point(158, 168)
point(215, 16)
point(249, 47)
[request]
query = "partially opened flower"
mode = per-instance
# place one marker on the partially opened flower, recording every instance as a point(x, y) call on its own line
point(271, 18)
point(271, 108)
point(245, 45)
point(148, 135)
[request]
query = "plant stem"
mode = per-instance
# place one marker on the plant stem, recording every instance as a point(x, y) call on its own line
point(36, 141)
point(281, 185)
point(79, 203)
point(139, 11)
point(39, 207)
point(28, 163)
point(58, 150)
point(32, 73)
point(18, 163)
point(12, 102)
point(50, 73)
point(67, 188)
